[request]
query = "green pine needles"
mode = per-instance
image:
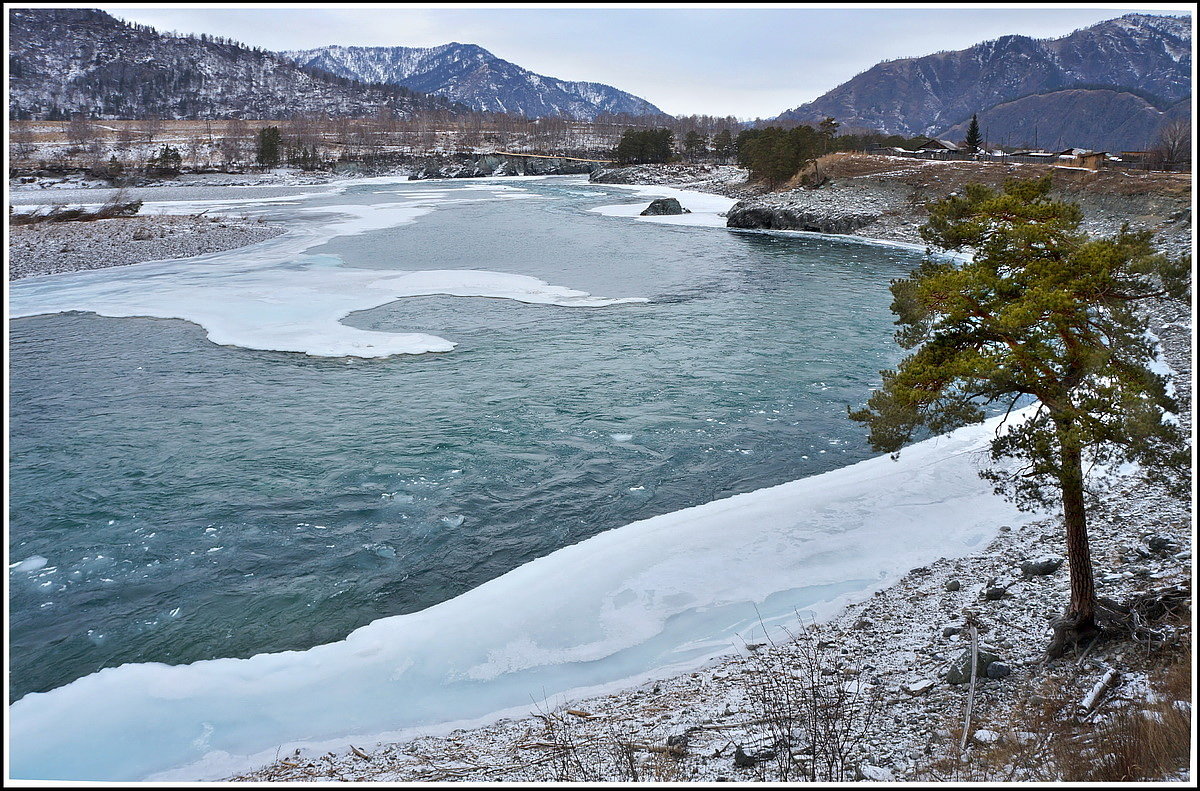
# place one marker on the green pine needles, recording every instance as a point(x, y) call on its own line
point(1041, 310)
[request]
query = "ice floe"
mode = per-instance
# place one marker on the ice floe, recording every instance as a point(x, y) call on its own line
point(273, 297)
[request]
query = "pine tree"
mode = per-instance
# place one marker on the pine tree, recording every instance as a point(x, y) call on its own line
point(269, 142)
point(642, 146)
point(974, 140)
point(723, 145)
point(827, 129)
point(1040, 311)
point(695, 145)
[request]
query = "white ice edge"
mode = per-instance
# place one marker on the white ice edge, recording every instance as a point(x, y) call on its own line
point(663, 593)
point(271, 297)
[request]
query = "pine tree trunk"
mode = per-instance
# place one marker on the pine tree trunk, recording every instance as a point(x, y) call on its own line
point(1083, 590)
point(1078, 626)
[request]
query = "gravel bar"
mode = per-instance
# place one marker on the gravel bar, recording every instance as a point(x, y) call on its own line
point(56, 247)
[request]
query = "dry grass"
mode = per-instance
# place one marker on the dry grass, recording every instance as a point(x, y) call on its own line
point(1046, 737)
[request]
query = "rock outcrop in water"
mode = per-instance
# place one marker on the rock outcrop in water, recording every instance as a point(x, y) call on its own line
point(787, 218)
point(660, 207)
point(460, 166)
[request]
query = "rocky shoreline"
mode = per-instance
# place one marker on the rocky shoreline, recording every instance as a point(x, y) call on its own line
point(884, 198)
point(55, 247)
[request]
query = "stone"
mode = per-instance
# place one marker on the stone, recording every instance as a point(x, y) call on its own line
point(959, 671)
point(984, 736)
point(1041, 566)
point(875, 774)
point(142, 235)
point(998, 670)
point(995, 593)
point(953, 585)
point(920, 687)
point(741, 759)
point(664, 206)
point(950, 631)
point(1162, 545)
point(862, 623)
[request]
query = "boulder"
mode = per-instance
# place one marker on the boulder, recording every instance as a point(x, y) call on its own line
point(664, 206)
point(953, 585)
point(1162, 545)
point(998, 670)
point(984, 736)
point(875, 774)
point(960, 669)
point(1041, 566)
point(920, 687)
point(821, 220)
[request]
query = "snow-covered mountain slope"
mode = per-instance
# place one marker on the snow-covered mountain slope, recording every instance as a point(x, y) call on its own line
point(475, 77)
point(1144, 55)
point(63, 61)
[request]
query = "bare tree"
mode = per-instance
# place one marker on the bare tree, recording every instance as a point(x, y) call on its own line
point(22, 140)
point(233, 142)
point(125, 137)
point(80, 131)
point(1174, 143)
point(152, 126)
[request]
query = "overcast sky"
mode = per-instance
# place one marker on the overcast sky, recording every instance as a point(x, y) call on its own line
point(704, 60)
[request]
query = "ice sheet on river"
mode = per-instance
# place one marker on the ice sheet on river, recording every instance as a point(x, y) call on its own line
point(640, 600)
point(274, 298)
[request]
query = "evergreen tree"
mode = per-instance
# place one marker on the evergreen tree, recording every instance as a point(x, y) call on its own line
point(168, 162)
point(643, 146)
point(695, 145)
point(774, 155)
point(1040, 311)
point(974, 140)
point(269, 143)
point(827, 129)
point(723, 145)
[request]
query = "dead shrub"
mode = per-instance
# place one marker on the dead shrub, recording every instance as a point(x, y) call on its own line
point(813, 713)
point(116, 206)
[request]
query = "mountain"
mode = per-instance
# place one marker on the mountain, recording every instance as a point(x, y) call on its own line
point(1112, 120)
point(82, 60)
point(475, 77)
point(1067, 84)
